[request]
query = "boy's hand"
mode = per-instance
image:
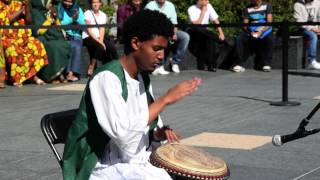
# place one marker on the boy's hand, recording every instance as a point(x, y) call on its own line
point(166, 133)
point(181, 90)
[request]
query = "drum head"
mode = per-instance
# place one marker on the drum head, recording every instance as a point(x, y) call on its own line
point(189, 162)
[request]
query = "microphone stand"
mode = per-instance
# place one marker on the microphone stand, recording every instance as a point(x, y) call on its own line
point(301, 128)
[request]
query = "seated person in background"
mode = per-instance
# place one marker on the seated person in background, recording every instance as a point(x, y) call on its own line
point(255, 39)
point(24, 54)
point(202, 38)
point(70, 13)
point(94, 38)
point(118, 117)
point(123, 13)
point(180, 39)
point(58, 49)
point(307, 11)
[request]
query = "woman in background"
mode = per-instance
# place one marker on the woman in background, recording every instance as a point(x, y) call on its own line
point(24, 54)
point(58, 49)
point(94, 38)
point(69, 13)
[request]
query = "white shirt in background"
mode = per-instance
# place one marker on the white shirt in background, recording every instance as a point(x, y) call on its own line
point(194, 13)
point(101, 18)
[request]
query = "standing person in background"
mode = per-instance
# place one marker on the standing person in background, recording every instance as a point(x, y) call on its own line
point(70, 13)
point(254, 38)
point(94, 38)
point(180, 39)
point(124, 12)
point(309, 11)
point(24, 54)
point(58, 49)
point(203, 39)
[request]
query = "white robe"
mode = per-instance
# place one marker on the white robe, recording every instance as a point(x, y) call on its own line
point(125, 123)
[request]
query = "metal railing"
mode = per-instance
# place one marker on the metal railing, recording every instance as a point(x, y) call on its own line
point(283, 26)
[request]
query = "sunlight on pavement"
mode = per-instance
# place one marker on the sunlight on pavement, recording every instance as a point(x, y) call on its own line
point(317, 98)
point(71, 87)
point(229, 141)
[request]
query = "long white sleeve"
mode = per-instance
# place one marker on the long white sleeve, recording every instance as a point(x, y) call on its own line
point(121, 121)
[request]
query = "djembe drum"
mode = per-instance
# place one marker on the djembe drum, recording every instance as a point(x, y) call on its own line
point(185, 162)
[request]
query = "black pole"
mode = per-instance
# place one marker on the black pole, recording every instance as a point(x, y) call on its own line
point(285, 46)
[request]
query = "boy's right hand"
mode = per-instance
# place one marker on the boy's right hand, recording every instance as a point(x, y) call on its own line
point(181, 90)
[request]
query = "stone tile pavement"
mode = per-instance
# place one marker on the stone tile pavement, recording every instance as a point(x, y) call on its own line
point(227, 103)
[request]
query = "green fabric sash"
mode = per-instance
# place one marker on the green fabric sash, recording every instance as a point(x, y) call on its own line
point(86, 140)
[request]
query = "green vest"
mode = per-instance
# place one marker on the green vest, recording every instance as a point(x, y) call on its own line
point(86, 140)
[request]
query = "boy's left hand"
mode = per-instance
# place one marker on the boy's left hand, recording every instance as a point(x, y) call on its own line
point(166, 133)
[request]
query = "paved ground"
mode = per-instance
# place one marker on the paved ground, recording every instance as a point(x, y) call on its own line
point(227, 103)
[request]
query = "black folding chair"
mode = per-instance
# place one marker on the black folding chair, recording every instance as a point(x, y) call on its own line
point(55, 128)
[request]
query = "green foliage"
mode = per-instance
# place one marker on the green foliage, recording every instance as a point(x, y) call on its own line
point(109, 10)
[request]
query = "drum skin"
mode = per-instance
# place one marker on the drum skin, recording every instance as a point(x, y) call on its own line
point(190, 162)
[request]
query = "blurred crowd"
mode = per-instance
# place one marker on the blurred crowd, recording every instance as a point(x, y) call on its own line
point(54, 55)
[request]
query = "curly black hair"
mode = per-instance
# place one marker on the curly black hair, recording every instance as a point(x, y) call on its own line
point(145, 25)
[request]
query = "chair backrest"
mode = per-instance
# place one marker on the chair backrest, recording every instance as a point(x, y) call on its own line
point(55, 128)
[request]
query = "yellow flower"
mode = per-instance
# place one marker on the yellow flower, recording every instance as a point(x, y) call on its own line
point(20, 41)
point(19, 69)
point(13, 73)
point(14, 53)
point(23, 69)
point(41, 62)
point(29, 32)
point(27, 69)
point(7, 53)
point(29, 45)
point(13, 66)
point(23, 78)
point(26, 64)
point(37, 68)
point(43, 52)
point(20, 31)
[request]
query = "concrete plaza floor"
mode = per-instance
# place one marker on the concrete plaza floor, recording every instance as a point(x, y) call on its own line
point(234, 106)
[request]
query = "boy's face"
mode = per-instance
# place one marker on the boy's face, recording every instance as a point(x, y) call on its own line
point(149, 53)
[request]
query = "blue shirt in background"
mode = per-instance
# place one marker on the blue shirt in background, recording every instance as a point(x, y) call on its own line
point(168, 9)
point(68, 20)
